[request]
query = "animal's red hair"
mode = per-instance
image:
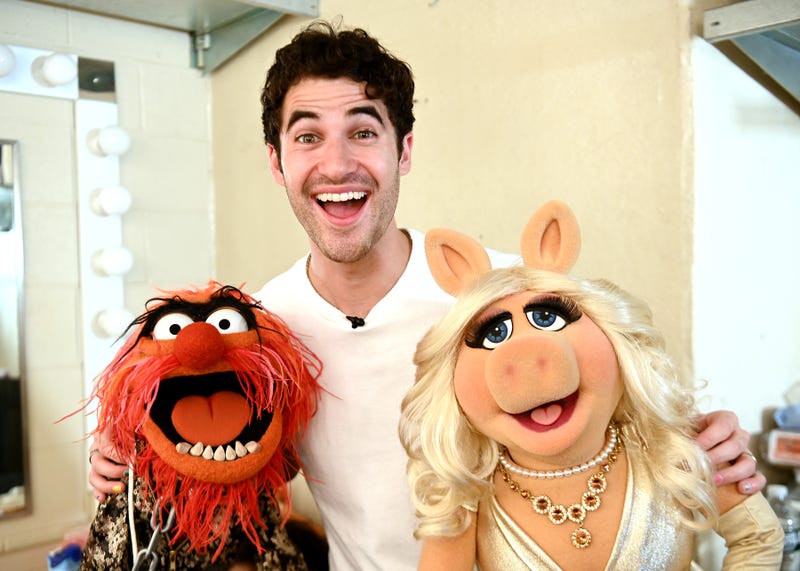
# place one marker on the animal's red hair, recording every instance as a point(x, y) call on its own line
point(277, 373)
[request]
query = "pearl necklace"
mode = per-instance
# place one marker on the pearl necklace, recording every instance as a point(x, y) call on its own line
point(598, 460)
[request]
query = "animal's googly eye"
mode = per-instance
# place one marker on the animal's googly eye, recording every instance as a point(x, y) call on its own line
point(228, 320)
point(170, 325)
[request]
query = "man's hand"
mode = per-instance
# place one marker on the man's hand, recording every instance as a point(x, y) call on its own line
point(105, 472)
point(725, 442)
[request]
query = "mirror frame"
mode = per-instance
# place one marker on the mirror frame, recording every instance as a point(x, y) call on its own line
point(19, 279)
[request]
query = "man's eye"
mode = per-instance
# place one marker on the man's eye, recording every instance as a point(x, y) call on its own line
point(307, 138)
point(365, 135)
point(546, 319)
point(496, 333)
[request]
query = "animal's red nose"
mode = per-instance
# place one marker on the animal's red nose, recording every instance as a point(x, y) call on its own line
point(199, 345)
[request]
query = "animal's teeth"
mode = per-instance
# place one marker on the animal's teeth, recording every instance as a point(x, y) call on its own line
point(241, 451)
point(219, 454)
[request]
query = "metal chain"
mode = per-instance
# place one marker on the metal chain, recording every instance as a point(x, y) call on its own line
point(158, 531)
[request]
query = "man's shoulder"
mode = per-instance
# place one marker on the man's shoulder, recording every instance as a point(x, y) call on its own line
point(284, 282)
point(497, 258)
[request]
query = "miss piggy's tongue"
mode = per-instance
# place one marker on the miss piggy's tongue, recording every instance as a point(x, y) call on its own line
point(546, 414)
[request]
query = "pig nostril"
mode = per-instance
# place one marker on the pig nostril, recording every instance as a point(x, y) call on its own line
point(199, 346)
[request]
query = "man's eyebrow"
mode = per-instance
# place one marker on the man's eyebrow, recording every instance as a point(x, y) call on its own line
point(366, 110)
point(298, 115)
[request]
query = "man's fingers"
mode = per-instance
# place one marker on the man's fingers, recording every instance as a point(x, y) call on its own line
point(743, 470)
point(719, 427)
point(753, 484)
point(728, 451)
point(103, 487)
point(105, 476)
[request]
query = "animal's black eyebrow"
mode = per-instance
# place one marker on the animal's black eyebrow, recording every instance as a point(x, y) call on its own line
point(225, 297)
point(566, 306)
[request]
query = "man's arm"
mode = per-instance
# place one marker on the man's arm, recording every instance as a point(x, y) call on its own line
point(451, 553)
point(105, 472)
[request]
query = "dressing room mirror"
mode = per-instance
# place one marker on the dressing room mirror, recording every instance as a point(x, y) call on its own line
point(13, 472)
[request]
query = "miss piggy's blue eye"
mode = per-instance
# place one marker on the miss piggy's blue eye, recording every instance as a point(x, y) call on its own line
point(496, 333)
point(552, 313)
point(490, 333)
point(546, 320)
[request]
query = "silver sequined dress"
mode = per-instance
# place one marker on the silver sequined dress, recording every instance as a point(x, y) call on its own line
point(650, 537)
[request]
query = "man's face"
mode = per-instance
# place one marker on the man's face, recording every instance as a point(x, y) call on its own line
point(340, 165)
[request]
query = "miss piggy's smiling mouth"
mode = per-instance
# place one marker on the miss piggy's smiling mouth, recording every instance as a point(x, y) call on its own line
point(549, 415)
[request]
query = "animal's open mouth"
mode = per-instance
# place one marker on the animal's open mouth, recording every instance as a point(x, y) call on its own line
point(208, 416)
point(549, 415)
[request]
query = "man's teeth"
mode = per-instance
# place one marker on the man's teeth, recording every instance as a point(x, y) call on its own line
point(340, 196)
point(220, 453)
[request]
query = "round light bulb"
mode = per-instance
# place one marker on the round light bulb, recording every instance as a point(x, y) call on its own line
point(112, 261)
point(112, 322)
point(54, 70)
point(110, 200)
point(7, 60)
point(109, 141)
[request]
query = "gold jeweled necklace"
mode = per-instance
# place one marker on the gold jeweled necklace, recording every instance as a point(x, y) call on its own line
point(577, 512)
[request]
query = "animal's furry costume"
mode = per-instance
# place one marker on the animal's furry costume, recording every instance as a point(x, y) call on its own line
point(204, 401)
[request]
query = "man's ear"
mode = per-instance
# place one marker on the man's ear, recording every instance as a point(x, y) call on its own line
point(275, 165)
point(455, 260)
point(405, 154)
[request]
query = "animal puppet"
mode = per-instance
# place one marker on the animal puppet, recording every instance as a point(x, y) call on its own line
point(204, 401)
point(547, 428)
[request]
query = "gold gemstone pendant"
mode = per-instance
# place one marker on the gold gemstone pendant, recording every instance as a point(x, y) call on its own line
point(581, 538)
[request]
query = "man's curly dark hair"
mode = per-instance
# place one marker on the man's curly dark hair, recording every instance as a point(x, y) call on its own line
point(321, 51)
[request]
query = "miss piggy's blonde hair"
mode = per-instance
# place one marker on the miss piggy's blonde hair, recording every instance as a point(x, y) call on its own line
point(451, 463)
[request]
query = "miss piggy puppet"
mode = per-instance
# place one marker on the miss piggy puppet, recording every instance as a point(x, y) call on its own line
point(548, 430)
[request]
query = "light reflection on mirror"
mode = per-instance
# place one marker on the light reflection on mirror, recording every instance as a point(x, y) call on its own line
point(12, 425)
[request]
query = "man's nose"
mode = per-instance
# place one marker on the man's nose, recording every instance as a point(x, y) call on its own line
point(337, 159)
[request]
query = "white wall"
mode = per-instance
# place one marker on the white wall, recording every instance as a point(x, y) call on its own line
point(164, 104)
point(747, 229)
point(517, 102)
point(746, 312)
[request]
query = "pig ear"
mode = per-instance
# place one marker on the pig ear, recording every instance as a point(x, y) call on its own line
point(551, 239)
point(455, 260)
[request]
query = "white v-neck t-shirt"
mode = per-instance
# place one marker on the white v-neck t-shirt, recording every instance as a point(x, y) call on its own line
point(354, 462)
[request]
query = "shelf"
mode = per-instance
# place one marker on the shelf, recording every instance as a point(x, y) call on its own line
point(219, 28)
